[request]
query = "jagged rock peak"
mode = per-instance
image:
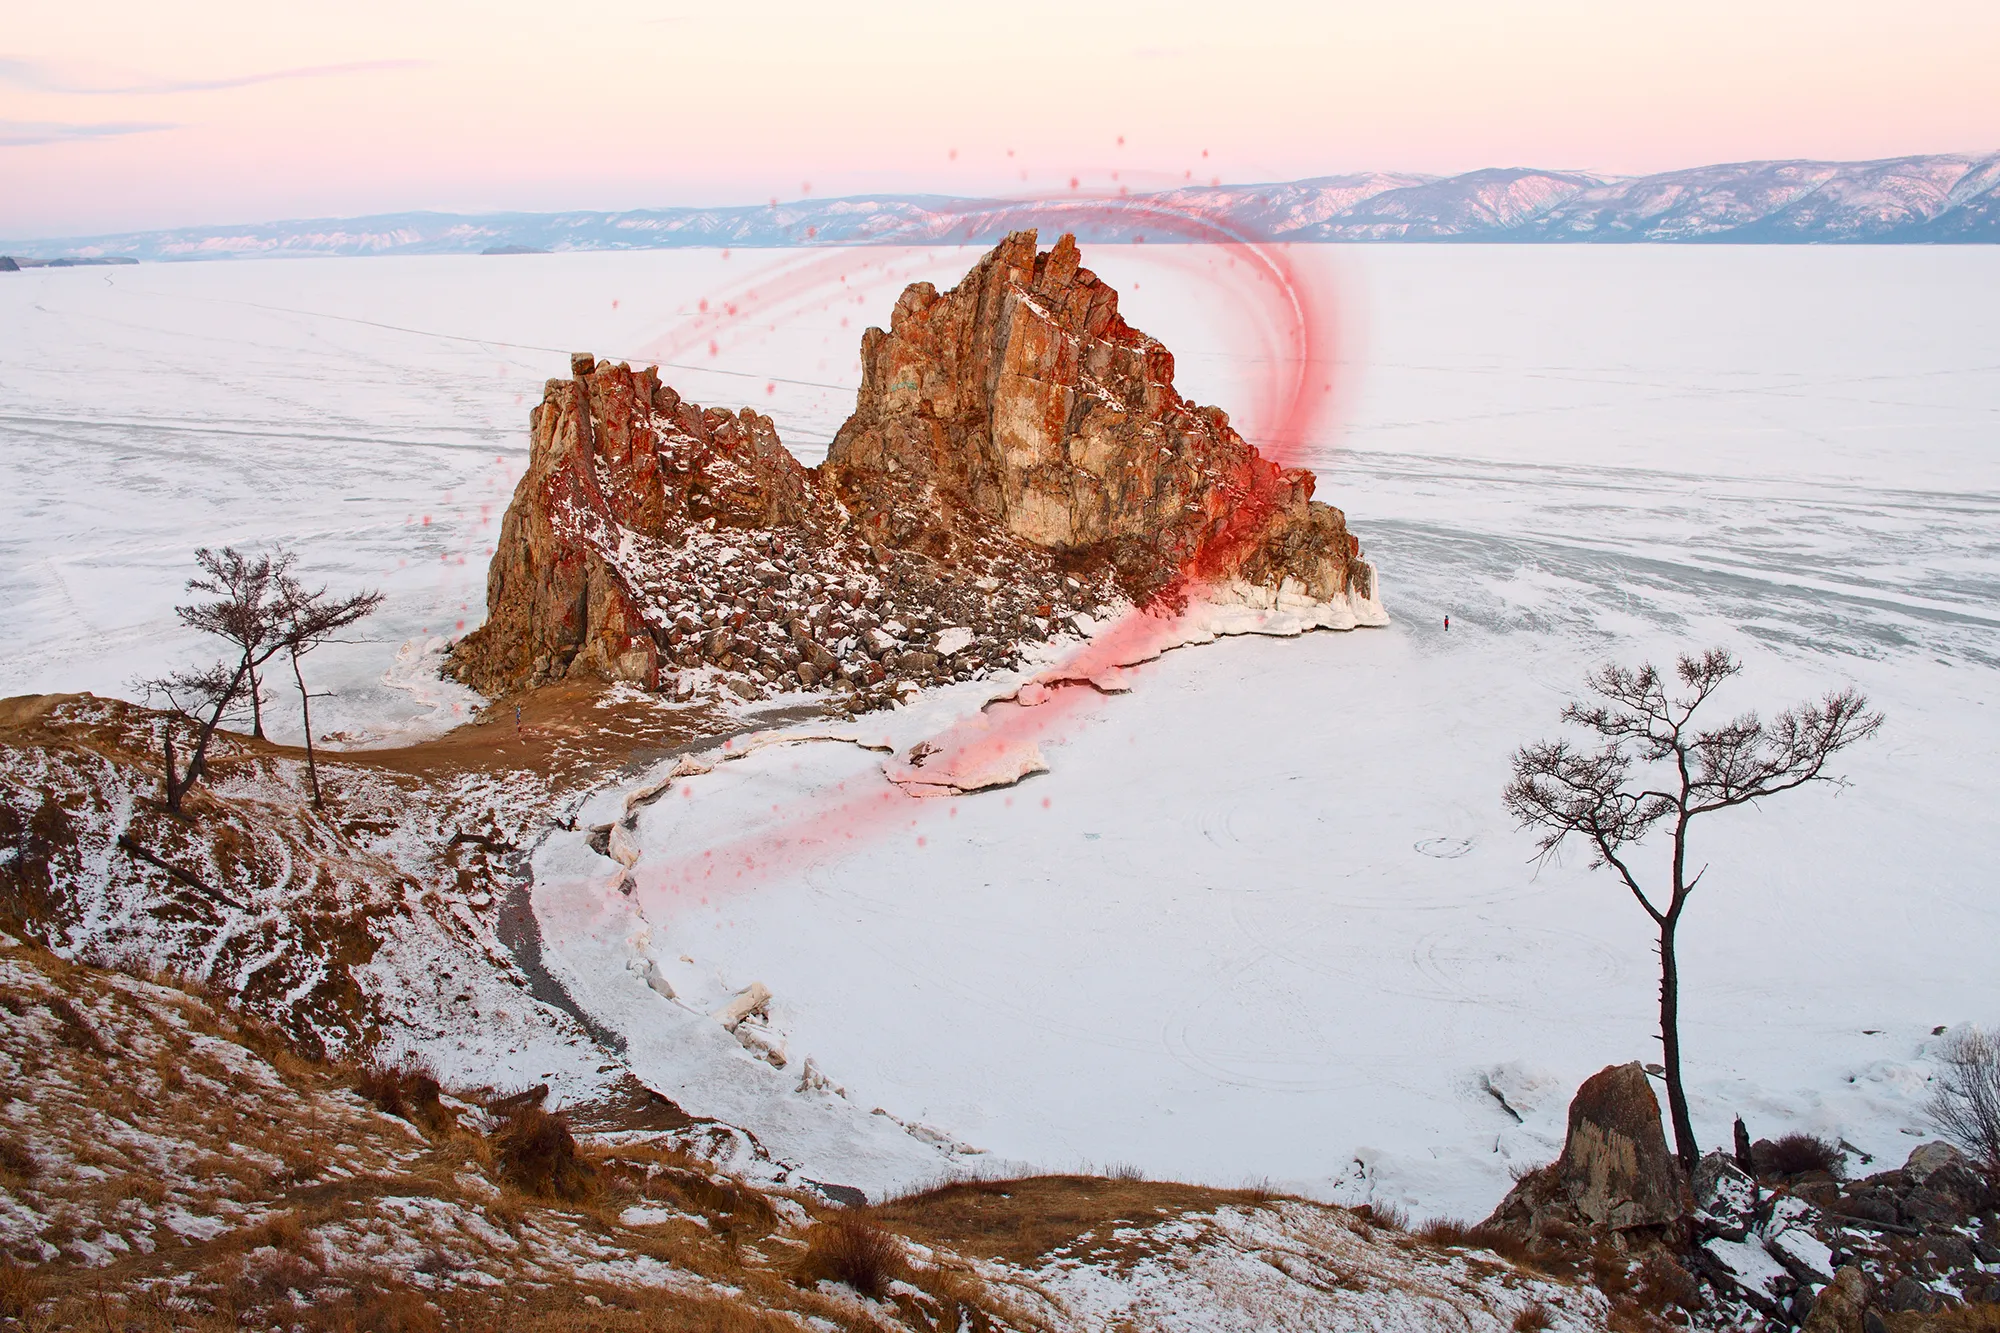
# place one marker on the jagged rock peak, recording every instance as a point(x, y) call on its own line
point(1018, 455)
point(1021, 398)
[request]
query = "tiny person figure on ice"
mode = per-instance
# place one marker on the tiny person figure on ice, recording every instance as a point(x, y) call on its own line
point(1447, 625)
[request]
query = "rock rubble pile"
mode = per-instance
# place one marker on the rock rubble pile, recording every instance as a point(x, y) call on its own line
point(1752, 1238)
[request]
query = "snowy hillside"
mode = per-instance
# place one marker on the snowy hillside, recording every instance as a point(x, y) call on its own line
point(1938, 198)
point(1263, 916)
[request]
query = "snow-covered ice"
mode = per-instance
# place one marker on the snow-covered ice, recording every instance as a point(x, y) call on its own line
point(1263, 916)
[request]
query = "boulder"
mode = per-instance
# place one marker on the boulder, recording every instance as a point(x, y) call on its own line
point(1615, 1165)
point(1927, 1159)
point(1615, 1173)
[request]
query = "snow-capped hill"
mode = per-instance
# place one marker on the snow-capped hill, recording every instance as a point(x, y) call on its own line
point(1937, 198)
point(1773, 201)
point(1474, 205)
point(1288, 208)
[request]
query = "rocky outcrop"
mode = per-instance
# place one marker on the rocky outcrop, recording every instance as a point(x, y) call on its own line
point(1018, 458)
point(1022, 399)
point(1615, 1164)
point(1805, 1248)
point(1615, 1173)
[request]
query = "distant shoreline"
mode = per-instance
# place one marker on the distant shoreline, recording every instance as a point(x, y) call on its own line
point(1936, 199)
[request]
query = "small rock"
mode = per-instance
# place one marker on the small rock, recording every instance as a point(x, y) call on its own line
point(1840, 1306)
point(1868, 1208)
point(1952, 1249)
point(1909, 1294)
point(1922, 1205)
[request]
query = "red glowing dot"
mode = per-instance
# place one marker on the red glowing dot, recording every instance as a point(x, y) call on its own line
point(1121, 141)
point(427, 520)
point(954, 155)
point(1072, 182)
point(1045, 803)
point(712, 347)
point(770, 388)
point(725, 254)
point(920, 842)
point(703, 306)
point(461, 624)
point(1204, 152)
point(614, 303)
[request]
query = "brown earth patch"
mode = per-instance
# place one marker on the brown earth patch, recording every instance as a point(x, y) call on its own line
point(1024, 1219)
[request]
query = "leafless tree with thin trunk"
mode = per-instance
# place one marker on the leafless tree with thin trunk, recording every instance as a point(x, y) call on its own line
point(242, 610)
point(309, 618)
point(245, 610)
point(1966, 1101)
point(198, 700)
point(1654, 765)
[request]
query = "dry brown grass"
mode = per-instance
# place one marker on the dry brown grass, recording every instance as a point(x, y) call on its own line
point(1964, 1319)
point(1533, 1319)
point(73, 1028)
point(1022, 1220)
point(409, 1090)
point(19, 1289)
point(854, 1253)
point(1384, 1215)
point(537, 1155)
point(668, 1175)
point(1450, 1233)
point(16, 1162)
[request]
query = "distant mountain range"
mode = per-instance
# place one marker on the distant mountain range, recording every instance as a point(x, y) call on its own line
point(1943, 198)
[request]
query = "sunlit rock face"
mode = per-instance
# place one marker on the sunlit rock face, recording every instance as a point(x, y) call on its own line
point(1018, 454)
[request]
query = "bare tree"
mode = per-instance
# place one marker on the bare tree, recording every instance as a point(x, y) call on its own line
point(1653, 766)
point(1966, 1101)
point(198, 699)
point(245, 611)
point(309, 618)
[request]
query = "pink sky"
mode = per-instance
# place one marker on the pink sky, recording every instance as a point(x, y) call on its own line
point(120, 115)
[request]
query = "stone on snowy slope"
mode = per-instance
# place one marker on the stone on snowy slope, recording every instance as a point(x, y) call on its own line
point(1927, 1159)
point(1615, 1164)
point(1615, 1173)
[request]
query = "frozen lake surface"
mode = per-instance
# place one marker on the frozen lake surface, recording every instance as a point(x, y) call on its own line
point(1264, 917)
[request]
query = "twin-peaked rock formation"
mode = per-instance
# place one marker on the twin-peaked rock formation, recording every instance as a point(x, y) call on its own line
point(1017, 455)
